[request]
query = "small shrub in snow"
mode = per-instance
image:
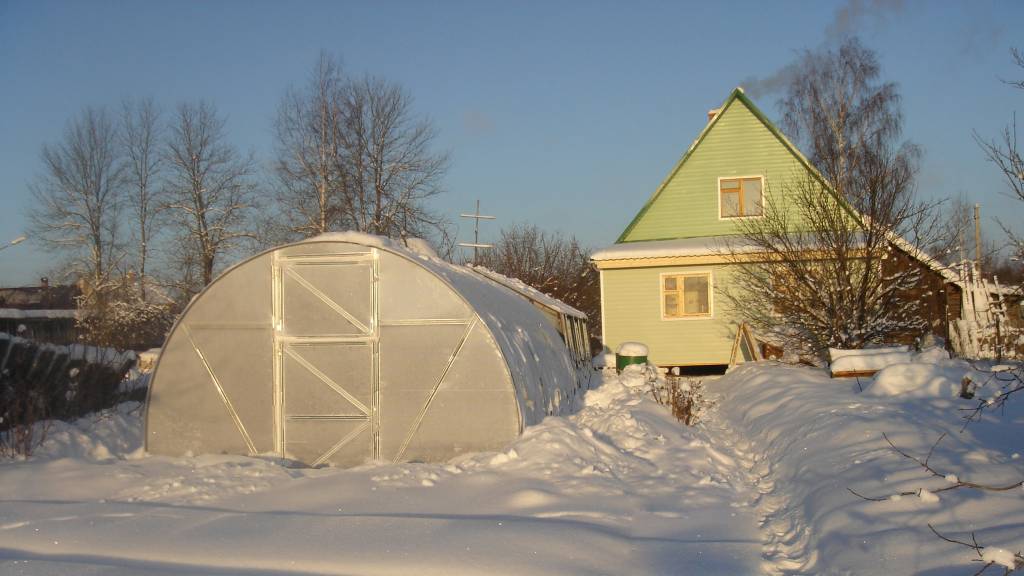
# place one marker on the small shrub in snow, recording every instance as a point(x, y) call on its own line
point(990, 556)
point(23, 415)
point(1006, 380)
point(953, 481)
point(687, 400)
point(684, 397)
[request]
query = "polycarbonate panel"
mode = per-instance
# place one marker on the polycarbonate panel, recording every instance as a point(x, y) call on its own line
point(479, 365)
point(244, 371)
point(464, 421)
point(185, 415)
point(327, 379)
point(215, 376)
point(540, 364)
point(336, 442)
point(242, 296)
point(325, 299)
point(476, 399)
point(408, 292)
point(412, 361)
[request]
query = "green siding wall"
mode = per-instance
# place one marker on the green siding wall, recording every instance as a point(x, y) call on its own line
point(739, 144)
point(632, 312)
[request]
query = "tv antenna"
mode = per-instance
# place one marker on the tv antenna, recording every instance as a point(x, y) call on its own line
point(475, 244)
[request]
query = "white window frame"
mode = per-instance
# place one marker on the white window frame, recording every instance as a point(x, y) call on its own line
point(718, 195)
point(711, 294)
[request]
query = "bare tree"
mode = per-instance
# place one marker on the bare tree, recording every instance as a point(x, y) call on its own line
point(209, 192)
point(79, 198)
point(311, 161)
point(834, 247)
point(550, 262)
point(1004, 153)
point(140, 139)
point(392, 170)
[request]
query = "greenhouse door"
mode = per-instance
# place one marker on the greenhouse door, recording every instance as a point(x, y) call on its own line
point(326, 389)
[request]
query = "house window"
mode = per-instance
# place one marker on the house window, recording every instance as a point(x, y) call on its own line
point(686, 295)
point(739, 197)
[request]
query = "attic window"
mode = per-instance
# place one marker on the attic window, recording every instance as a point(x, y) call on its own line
point(686, 295)
point(740, 197)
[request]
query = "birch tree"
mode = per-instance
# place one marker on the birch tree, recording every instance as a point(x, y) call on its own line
point(391, 168)
point(79, 198)
point(1005, 154)
point(310, 164)
point(210, 193)
point(140, 139)
point(821, 268)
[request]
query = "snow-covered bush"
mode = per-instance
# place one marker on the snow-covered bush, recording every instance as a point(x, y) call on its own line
point(45, 381)
point(25, 407)
point(124, 321)
point(684, 397)
point(687, 400)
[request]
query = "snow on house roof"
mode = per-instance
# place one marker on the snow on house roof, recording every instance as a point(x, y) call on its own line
point(702, 246)
point(18, 314)
point(711, 245)
point(947, 272)
point(1004, 290)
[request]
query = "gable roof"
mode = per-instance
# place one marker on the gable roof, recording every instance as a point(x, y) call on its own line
point(736, 95)
point(739, 95)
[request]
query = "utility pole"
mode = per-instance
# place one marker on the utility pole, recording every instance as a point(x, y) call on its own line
point(977, 238)
point(475, 244)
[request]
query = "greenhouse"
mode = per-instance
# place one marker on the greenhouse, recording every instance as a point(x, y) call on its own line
point(348, 348)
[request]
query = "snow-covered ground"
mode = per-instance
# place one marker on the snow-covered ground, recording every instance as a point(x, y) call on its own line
point(816, 437)
point(617, 488)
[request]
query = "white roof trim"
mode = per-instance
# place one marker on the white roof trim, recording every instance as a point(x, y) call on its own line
point(701, 246)
point(717, 245)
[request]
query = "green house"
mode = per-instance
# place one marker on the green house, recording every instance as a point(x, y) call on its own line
point(659, 280)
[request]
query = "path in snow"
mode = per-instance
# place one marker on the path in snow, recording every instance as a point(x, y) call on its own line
point(806, 438)
point(783, 529)
point(618, 488)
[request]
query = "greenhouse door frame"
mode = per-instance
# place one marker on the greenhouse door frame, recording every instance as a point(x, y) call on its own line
point(286, 279)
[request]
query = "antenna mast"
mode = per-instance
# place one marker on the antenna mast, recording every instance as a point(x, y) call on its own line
point(475, 244)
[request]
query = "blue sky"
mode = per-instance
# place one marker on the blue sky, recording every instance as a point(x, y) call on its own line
point(563, 114)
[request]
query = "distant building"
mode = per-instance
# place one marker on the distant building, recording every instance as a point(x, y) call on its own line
point(45, 313)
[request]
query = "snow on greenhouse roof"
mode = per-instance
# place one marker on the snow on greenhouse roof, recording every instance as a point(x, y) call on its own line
point(528, 291)
point(418, 249)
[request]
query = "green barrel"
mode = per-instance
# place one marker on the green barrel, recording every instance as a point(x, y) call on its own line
point(630, 353)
